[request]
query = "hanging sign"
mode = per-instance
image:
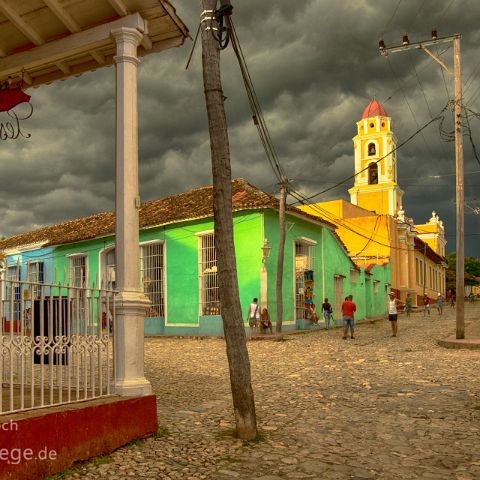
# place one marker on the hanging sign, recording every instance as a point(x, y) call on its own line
point(10, 98)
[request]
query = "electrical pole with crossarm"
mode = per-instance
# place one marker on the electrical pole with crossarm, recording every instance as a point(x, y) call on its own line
point(214, 39)
point(435, 40)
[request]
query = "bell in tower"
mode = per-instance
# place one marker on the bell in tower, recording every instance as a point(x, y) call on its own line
point(375, 187)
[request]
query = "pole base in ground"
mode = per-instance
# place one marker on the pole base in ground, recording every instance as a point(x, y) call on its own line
point(136, 387)
point(130, 311)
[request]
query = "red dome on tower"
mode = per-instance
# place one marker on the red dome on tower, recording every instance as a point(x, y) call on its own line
point(374, 109)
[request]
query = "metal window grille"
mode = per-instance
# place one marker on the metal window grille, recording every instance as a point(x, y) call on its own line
point(36, 275)
point(376, 286)
point(78, 270)
point(208, 280)
point(304, 262)
point(152, 275)
point(78, 276)
point(13, 291)
point(55, 347)
point(338, 295)
point(109, 272)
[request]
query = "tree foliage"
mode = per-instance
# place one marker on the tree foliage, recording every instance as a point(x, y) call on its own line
point(472, 270)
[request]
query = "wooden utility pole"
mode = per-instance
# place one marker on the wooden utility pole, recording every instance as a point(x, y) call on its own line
point(460, 287)
point(460, 271)
point(281, 251)
point(234, 330)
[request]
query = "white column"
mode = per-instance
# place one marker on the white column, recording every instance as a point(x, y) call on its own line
point(131, 303)
point(263, 287)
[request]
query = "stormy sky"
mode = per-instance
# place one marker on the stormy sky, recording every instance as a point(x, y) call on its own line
point(315, 65)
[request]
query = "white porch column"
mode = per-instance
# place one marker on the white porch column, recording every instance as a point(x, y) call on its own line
point(131, 304)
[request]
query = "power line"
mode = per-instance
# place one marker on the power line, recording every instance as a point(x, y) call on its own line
point(469, 130)
point(339, 221)
point(413, 135)
point(445, 11)
point(258, 118)
point(399, 82)
point(421, 69)
point(424, 95)
point(393, 15)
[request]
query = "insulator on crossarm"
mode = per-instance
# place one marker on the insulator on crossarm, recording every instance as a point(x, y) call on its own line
point(434, 34)
point(381, 45)
point(405, 40)
point(226, 8)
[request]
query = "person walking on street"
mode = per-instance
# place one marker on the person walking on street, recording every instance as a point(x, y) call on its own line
point(327, 313)
point(452, 300)
point(440, 303)
point(408, 305)
point(253, 316)
point(348, 312)
point(393, 312)
point(426, 305)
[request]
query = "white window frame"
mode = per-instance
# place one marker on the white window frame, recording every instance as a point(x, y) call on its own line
point(13, 274)
point(72, 269)
point(299, 271)
point(33, 276)
point(208, 296)
point(154, 289)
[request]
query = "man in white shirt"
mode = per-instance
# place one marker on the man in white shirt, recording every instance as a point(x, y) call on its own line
point(393, 312)
point(253, 316)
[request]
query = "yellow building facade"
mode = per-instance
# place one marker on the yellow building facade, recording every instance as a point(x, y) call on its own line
point(374, 226)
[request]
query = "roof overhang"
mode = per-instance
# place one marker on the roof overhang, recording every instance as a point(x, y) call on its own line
point(46, 40)
point(24, 248)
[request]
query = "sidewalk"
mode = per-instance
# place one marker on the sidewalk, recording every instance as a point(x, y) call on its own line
point(471, 340)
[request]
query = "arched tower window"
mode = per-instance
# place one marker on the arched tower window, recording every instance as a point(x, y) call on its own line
point(373, 174)
point(371, 149)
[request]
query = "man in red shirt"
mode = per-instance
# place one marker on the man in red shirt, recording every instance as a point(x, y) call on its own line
point(348, 311)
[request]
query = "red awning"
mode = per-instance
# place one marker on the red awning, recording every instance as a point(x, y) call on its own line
point(10, 98)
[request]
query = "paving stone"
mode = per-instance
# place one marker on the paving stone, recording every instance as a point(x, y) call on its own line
point(378, 407)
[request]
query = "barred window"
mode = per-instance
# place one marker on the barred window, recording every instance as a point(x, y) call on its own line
point(109, 268)
point(13, 292)
point(78, 270)
point(13, 275)
point(208, 280)
point(304, 279)
point(376, 286)
point(36, 275)
point(152, 263)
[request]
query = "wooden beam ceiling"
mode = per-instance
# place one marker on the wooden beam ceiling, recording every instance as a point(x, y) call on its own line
point(119, 6)
point(18, 21)
point(63, 15)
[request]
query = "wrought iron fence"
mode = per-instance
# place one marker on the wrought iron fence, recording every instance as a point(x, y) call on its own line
point(56, 340)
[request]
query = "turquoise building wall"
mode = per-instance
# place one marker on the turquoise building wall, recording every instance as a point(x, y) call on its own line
point(43, 255)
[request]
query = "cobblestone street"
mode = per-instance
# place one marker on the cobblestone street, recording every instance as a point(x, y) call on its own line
point(373, 407)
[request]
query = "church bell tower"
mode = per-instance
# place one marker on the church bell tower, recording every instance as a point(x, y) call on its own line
point(375, 186)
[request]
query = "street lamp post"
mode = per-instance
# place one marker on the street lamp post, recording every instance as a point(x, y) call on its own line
point(263, 273)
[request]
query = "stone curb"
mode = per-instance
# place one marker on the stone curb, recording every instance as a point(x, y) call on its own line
point(468, 344)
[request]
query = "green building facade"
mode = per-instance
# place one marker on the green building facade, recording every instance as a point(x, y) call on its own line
point(178, 261)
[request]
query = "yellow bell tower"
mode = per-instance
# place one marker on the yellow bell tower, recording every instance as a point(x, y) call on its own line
point(376, 187)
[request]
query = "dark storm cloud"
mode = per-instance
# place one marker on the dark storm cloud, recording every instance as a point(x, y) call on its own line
point(315, 65)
